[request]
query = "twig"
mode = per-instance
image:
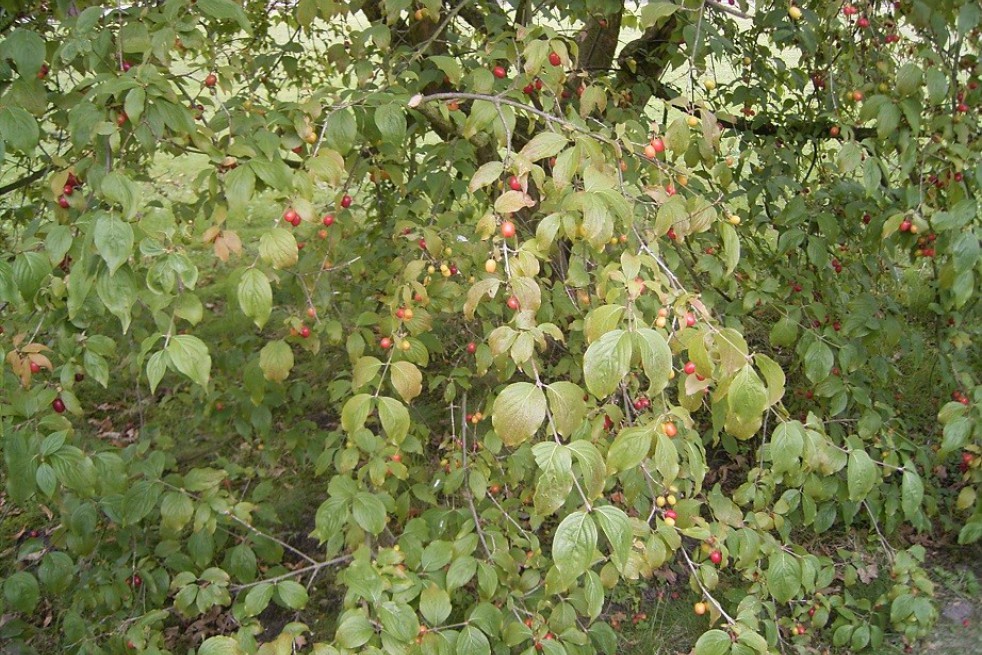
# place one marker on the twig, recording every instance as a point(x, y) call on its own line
point(705, 592)
point(315, 567)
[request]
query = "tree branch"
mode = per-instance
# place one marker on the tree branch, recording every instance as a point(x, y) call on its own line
point(24, 181)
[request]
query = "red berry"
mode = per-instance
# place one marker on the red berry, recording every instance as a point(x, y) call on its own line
point(716, 557)
point(690, 319)
point(689, 368)
point(35, 367)
point(529, 89)
point(905, 226)
point(126, 66)
point(555, 59)
point(472, 348)
point(63, 202)
point(499, 72)
point(422, 244)
point(507, 229)
point(658, 144)
point(385, 343)
point(211, 80)
point(345, 201)
point(122, 118)
point(328, 220)
point(863, 22)
point(291, 217)
point(515, 183)
point(68, 189)
point(305, 332)
point(58, 405)
point(538, 84)
point(670, 514)
point(513, 303)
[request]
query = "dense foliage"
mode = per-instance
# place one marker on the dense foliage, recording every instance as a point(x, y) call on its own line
point(571, 294)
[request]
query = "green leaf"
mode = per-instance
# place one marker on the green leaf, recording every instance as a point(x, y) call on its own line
point(472, 641)
point(391, 122)
point(139, 500)
point(566, 405)
point(225, 10)
point(617, 528)
point(258, 599)
point(189, 355)
point(278, 248)
point(671, 215)
point(656, 359)
point(712, 642)
point(512, 201)
point(818, 361)
point(255, 296)
point(787, 445)
point(176, 510)
point(518, 412)
point(22, 592)
point(860, 474)
point(666, 458)
point(731, 246)
point(394, 417)
point(653, 12)
point(592, 468)
point(909, 79)
point(850, 157)
point(746, 401)
point(544, 145)
point(292, 593)
point(602, 320)
point(406, 380)
point(121, 190)
point(113, 240)
point(773, 376)
point(461, 572)
point(434, 604)
point(355, 412)
point(398, 620)
point(276, 360)
point(887, 120)
point(240, 185)
point(487, 174)
point(19, 129)
point(26, 49)
point(157, 366)
point(911, 492)
point(354, 630)
point(606, 362)
point(364, 372)
point(368, 512)
point(342, 130)
point(630, 447)
point(783, 576)
point(573, 544)
point(220, 645)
